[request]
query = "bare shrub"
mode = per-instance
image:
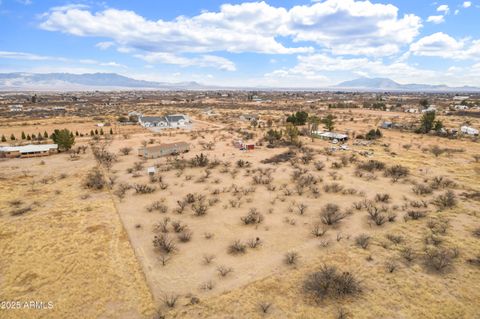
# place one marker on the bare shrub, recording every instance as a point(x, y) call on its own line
point(333, 188)
point(178, 227)
point(376, 215)
point(253, 217)
point(396, 239)
point(331, 214)
point(170, 300)
point(223, 271)
point(237, 248)
point(319, 165)
point(208, 285)
point(254, 243)
point(439, 258)
point(158, 206)
point(329, 282)
point(362, 240)
point(438, 225)
point(439, 182)
point(264, 306)
point(164, 244)
point(318, 230)
point(371, 166)
point(207, 259)
point(422, 189)
point(408, 254)
point(416, 214)
point(200, 208)
point(185, 236)
point(95, 179)
point(301, 208)
point(291, 258)
point(397, 172)
point(143, 189)
point(391, 265)
point(126, 150)
point(384, 198)
point(446, 200)
point(182, 204)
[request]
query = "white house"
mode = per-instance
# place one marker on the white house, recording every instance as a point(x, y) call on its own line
point(461, 107)
point(431, 108)
point(412, 110)
point(168, 121)
point(469, 130)
point(16, 108)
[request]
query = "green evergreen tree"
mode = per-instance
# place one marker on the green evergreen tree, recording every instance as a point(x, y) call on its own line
point(3, 138)
point(29, 138)
point(96, 132)
point(23, 135)
point(12, 137)
point(91, 133)
point(64, 138)
point(101, 131)
point(39, 137)
point(328, 122)
point(76, 133)
point(45, 135)
point(111, 131)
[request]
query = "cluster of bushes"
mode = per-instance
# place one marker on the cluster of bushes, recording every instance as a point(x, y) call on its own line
point(328, 282)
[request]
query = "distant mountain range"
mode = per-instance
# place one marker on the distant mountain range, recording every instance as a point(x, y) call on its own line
point(112, 81)
point(88, 81)
point(385, 84)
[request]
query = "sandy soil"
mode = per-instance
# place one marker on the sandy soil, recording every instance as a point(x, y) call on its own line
point(70, 249)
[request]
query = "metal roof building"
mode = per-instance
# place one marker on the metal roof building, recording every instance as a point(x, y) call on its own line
point(31, 150)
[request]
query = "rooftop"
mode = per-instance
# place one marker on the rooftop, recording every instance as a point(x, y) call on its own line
point(31, 148)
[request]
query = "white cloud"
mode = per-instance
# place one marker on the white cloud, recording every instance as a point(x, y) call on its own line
point(443, 8)
point(25, 2)
point(354, 27)
point(22, 56)
point(342, 26)
point(317, 65)
point(442, 45)
point(467, 4)
point(456, 12)
point(201, 61)
point(35, 57)
point(436, 19)
point(104, 45)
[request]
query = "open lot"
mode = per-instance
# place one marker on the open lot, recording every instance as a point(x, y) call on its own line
point(99, 243)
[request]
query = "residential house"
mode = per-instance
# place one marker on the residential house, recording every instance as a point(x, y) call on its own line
point(163, 150)
point(16, 108)
point(331, 135)
point(168, 121)
point(30, 150)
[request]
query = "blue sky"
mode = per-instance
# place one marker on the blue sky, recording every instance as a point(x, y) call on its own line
point(271, 43)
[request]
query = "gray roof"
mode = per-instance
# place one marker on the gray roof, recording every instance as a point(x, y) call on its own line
point(175, 118)
point(152, 119)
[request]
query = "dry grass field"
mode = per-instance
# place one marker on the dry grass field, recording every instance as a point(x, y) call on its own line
point(237, 234)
